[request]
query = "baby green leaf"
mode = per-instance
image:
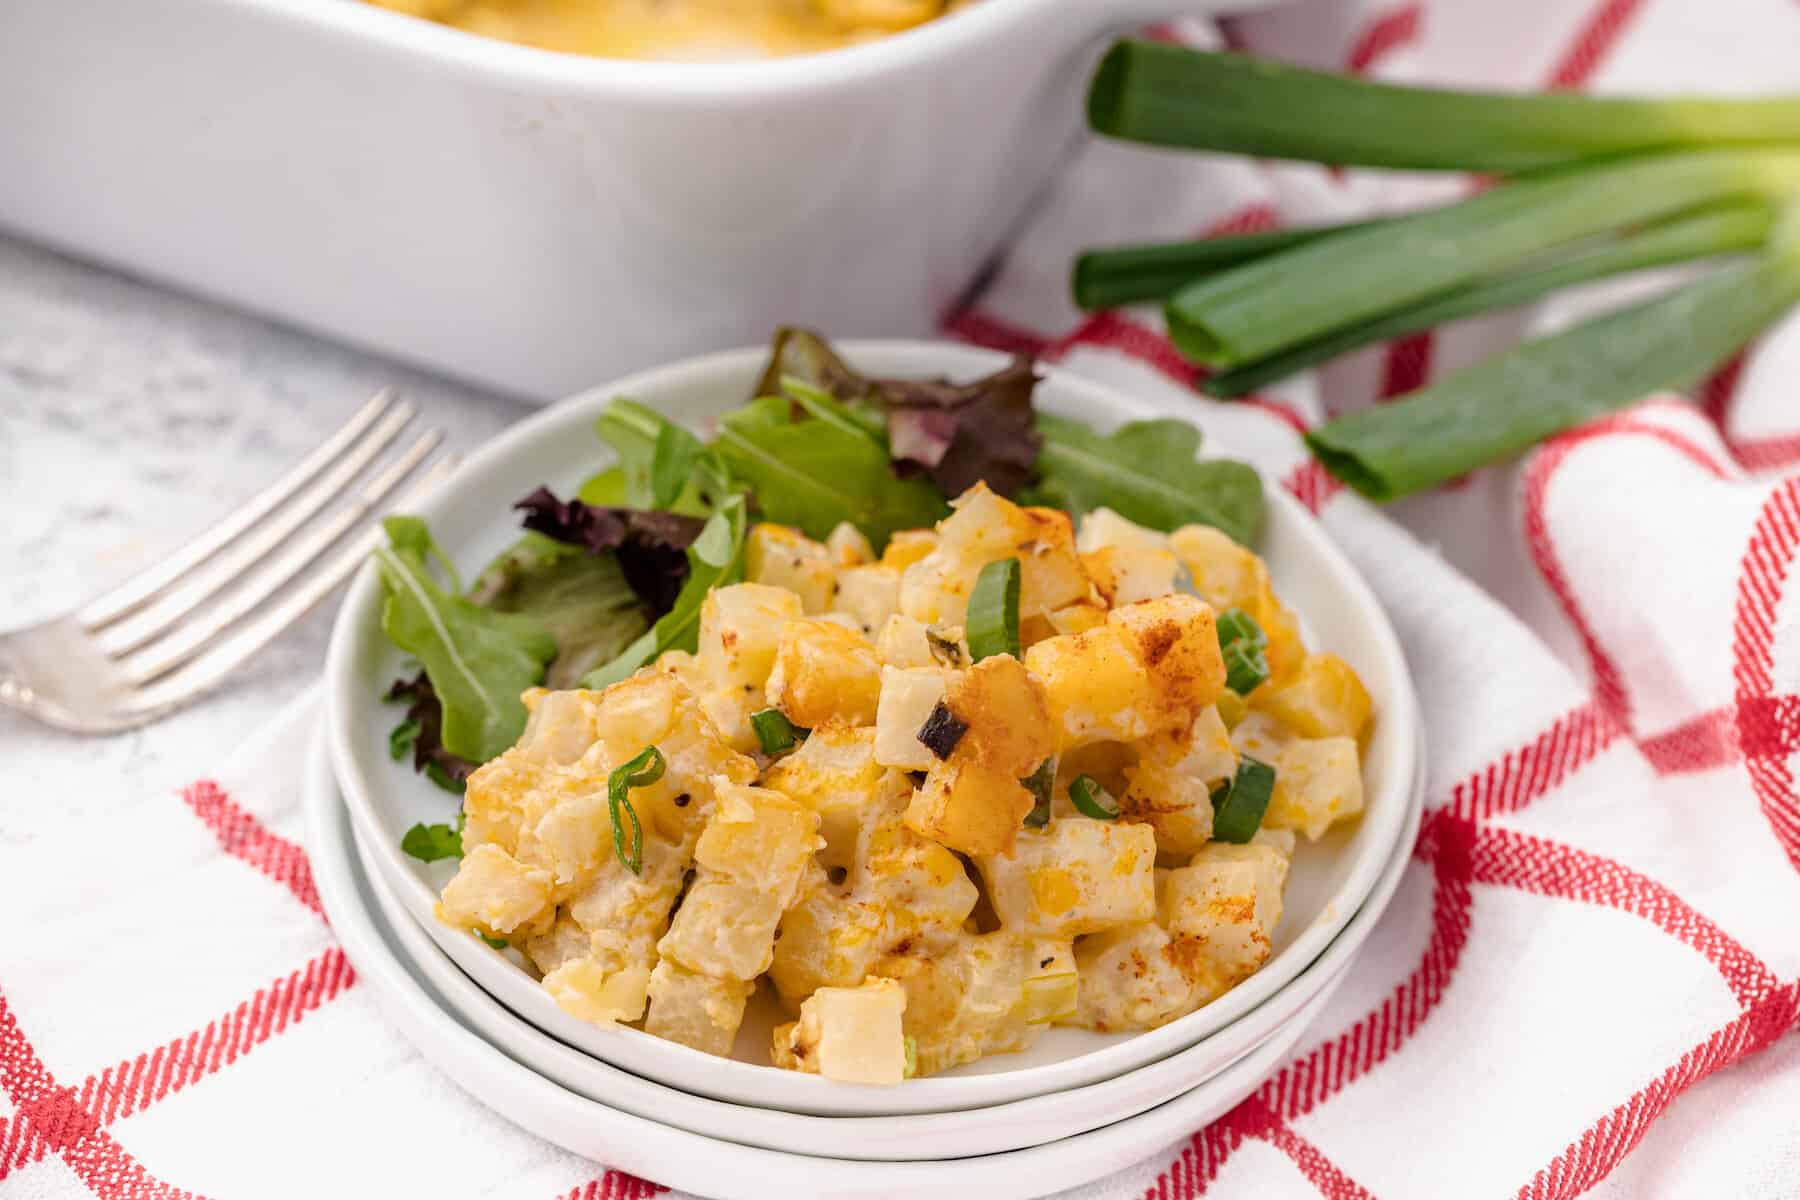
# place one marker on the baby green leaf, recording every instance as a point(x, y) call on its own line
point(581, 599)
point(812, 473)
point(428, 843)
point(661, 464)
point(478, 660)
point(1147, 472)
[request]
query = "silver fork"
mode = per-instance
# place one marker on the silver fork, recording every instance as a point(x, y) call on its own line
point(166, 635)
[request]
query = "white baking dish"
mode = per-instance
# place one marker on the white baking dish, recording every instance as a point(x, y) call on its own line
point(531, 220)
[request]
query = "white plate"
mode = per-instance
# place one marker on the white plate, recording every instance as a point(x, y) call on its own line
point(694, 1163)
point(472, 518)
point(1020, 1124)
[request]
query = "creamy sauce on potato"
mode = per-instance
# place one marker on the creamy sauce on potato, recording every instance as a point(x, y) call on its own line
point(679, 29)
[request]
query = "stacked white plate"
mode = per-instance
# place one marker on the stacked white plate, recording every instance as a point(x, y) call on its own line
point(1076, 1106)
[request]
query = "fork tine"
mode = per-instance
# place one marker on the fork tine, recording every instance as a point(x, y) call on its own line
point(134, 592)
point(208, 669)
point(256, 587)
point(230, 562)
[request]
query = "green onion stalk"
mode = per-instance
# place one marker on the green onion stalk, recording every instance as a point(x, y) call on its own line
point(1170, 96)
point(1502, 406)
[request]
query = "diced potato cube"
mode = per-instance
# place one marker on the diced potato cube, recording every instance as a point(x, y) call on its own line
point(835, 774)
point(907, 697)
point(723, 929)
point(905, 642)
point(1225, 574)
point(1077, 618)
point(1052, 984)
point(853, 1035)
point(624, 914)
point(1318, 781)
point(824, 674)
point(1228, 576)
point(760, 838)
point(751, 859)
point(1128, 574)
point(966, 1000)
point(1103, 528)
point(696, 1010)
point(562, 942)
point(922, 885)
point(869, 595)
point(907, 547)
point(1169, 788)
point(969, 807)
point(1007, 714)
point(786, 558)
point(495, 893)
point(828, 939)
point(984, 528)
point(1129, 979)
point(848, 546)
point(1221, 911)
point(1261, 736)
point(1153, 666)
point(1324, 698)
point(585, 989)
point(740, 628)
point(1283, 840)
point(1072, 877)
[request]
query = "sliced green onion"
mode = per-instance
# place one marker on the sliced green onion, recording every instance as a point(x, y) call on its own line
point(645, 769)
point(1499, 407)
point(1119, 275)
point(1090, 799)
point(496, 943)
point(1041, 783)
point(1246, 667)
point(1239, 804)
point(1285, 299)
point(1170, 96)
point(1721, 229)
point(776, 733)
point(1242, 643)
point(994, 611)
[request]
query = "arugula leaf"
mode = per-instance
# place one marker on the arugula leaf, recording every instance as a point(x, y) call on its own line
point(714, 560)
point(812, 474)
point(661, 465)
point(582, 599)
point(478, 660)
point(429, 843)
point(1146, 471)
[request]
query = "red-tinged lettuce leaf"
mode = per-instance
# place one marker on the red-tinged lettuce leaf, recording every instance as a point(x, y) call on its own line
point(953, 434)
point(962, 434)
point(422, 733)
point(651, 546)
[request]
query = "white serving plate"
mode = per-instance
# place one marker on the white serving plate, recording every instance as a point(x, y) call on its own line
point(1018, 1125)
point(472, 519)
point(693, 1163)
point(527, 219)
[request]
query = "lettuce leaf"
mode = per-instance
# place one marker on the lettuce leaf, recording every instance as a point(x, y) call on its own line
point(649, 545)
point(813, 473)
point(1146, 471)
point(478, 660)
point(582, 599)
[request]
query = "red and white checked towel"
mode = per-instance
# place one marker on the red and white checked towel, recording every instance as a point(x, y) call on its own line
point(1587, 981)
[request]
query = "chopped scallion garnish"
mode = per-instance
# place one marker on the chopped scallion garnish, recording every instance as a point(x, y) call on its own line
point(496, 943)
point(1242, 644)
point(994, 610)
point(1090, 799)
point(1239, 803)
point(1041, 783)
point(775, 732)
point(641, 771)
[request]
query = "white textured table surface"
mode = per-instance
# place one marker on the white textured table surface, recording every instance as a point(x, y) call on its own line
point(131, 417)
